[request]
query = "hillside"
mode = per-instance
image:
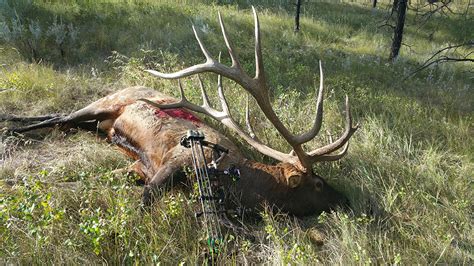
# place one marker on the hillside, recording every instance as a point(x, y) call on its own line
point(408, 174)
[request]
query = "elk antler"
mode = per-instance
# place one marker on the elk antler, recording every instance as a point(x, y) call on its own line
point(257, 87)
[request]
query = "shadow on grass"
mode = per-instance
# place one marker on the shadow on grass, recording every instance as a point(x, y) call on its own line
point(291, 60)
point(455, 27)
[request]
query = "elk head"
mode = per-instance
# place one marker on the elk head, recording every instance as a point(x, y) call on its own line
point(301, 191)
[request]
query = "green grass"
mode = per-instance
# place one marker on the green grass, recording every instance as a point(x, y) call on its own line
point(408, 174)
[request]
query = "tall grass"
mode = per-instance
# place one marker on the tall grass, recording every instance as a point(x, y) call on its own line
point(408, 173)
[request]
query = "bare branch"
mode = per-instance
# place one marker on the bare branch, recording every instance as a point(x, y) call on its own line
point(444, 58)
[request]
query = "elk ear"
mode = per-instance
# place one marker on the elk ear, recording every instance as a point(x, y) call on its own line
point(292, 175)
point(293, 181)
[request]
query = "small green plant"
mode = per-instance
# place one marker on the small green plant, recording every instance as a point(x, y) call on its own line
point(23, 34)
point(32, 37)
point(94, 227)
point(62, 34)
point(29, 212)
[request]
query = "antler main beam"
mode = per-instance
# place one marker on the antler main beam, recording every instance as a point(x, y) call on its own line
point(225, 118)
point(257, 87)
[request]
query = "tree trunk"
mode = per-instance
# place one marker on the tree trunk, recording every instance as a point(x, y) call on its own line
point(398, 32)
point(297, 16)
point(394, 7)
point(374, 3)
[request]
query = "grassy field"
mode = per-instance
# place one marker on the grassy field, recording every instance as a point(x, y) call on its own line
point(408, 174)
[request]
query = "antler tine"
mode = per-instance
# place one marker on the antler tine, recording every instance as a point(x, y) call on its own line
point(222, 99)
point(181, 91)
point(334, 157)
point(205, 98)
point(183, 102)
point(230, 48)
point(220, 93)
point(203, 48)
point(329, 135)
point(259, 71)
point(320, 153)
point(247, 119)
point(313, 132)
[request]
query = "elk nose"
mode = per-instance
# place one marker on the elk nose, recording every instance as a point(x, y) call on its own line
point(345, 204)
point(341, 203)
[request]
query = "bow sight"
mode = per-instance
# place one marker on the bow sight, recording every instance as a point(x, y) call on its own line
point(211, 192)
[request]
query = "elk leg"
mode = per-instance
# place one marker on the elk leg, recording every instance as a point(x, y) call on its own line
point(138, 168)
point(165, 175)
point(14, 118)
point(83, 118)
point(60, 120)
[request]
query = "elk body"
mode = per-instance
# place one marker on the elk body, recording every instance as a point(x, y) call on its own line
point(148, 126)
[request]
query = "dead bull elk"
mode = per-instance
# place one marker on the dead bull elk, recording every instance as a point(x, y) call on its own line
point(148, 125)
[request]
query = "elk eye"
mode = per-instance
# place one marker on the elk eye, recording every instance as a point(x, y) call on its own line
point(318, 184)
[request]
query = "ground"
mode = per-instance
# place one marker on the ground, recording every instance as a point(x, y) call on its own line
point(408, 174)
